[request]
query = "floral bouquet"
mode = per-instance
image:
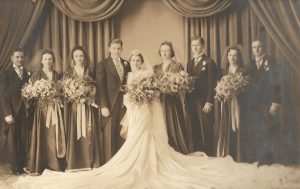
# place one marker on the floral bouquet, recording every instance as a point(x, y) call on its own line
point(80, 90)
point(41, 90)
point(141, 87)
point(176, 83)
point(231, 84)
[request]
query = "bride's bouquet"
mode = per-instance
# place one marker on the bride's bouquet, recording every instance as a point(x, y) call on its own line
point(79, 90)
point(41, 90)
point(231, 84)
point(141, 87)
point(176, 83)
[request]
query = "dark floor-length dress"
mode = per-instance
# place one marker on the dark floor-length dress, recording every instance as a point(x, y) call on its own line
point(48, 145)
point(234, 142)
point(83, 152)
point(173, 109)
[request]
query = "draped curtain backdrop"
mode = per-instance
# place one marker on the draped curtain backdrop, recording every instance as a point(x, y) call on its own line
point(92, 10)
point(70, 23)
point(282, 21)
point(62, 24)
point(277, 24)
point(46, 24)
point(18, 20)
point(197, 8)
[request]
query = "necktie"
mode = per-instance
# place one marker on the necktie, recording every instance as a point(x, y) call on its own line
point(119, 68)
point(19, 71)
point(197, 60)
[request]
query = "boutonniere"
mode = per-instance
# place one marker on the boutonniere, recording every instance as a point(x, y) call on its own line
point(29, 73)
point(204, 64)
point(266, 66)
point(126, 63)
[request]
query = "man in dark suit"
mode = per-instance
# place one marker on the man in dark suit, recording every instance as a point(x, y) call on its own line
point(16, 124)
point(111, 74)
point(200, 103)
point(264, 104)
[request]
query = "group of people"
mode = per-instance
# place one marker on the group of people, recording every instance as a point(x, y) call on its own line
point(33, 146)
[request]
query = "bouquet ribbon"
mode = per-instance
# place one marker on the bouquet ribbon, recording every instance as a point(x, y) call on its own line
point(82, 121)
point(54, 117)
point(235, 113)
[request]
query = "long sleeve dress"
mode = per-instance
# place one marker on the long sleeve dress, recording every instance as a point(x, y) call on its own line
point(83, 143)
point(173, 109)
point(233, 131)
point(48, 145)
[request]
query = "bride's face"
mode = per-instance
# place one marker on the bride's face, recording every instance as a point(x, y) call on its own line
point(165, 52)
point(78, 57)
point(47, 61)
point(232, 56)
point(136, 63)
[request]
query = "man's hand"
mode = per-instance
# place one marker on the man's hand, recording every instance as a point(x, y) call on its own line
point(274, 109)
point(207, 107)
point(105, 112)
point(9, 119)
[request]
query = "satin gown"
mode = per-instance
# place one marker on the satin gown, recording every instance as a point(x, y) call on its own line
point(83, 150)
point(147, 161)
point(48, 142)
point(233, 131)
point(173, 112)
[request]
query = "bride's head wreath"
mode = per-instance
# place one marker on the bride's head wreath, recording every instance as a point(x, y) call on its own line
point(225, 61)
point(86, 61)
point(136, 52)
point(36, 61)
point(145, 64)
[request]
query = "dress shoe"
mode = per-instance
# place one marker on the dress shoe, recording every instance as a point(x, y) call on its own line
point(26, 170)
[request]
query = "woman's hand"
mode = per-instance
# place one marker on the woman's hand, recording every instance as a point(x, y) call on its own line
point(9, 119)
point(207, 107)
point(105, 112)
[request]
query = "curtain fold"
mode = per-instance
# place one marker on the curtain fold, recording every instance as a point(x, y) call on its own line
point(61, 33)
point(240, 26)
point(281, 20)
point(18, 19)
point(197, 8)
point(92, 10)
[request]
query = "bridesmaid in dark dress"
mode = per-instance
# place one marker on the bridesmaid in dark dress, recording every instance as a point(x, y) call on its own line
point(48, 145)
point(172, 104)
point(83, 148)
point(233, 132)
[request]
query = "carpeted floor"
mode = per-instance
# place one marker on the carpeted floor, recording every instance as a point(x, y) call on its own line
point(7, 179)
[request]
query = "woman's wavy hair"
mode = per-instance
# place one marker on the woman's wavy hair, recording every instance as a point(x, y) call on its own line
point(169, 43)
point(47, 51)
point(225, 62)
point(86, 58)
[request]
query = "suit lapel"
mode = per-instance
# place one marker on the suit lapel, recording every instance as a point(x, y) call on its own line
point(189, 66)
point(262, 66)
point(14, 76)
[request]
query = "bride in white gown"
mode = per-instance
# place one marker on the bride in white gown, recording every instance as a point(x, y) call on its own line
point(146, 161)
